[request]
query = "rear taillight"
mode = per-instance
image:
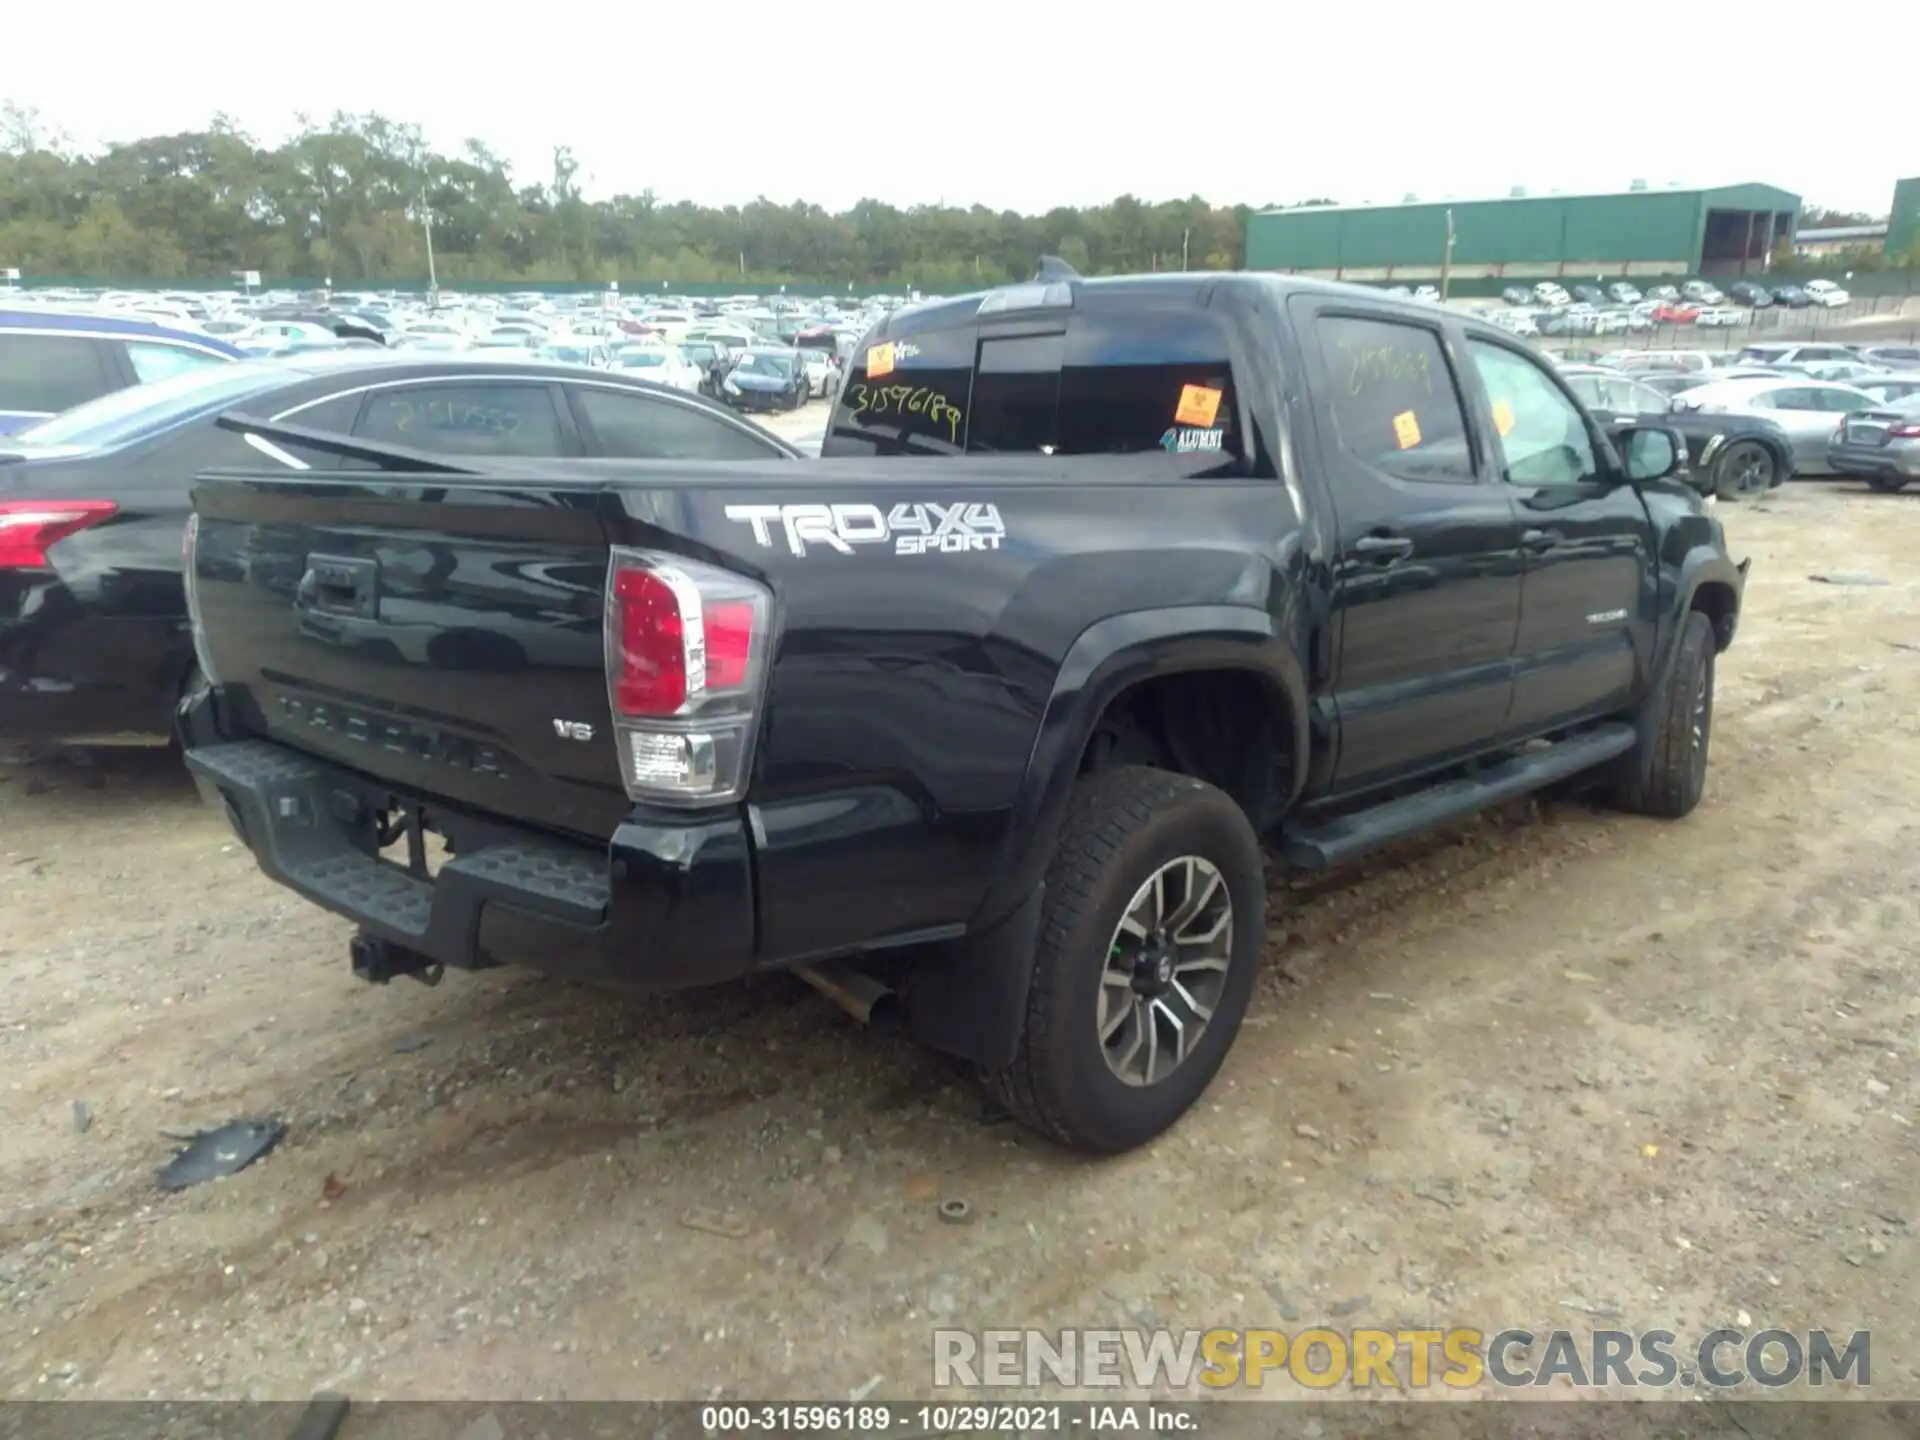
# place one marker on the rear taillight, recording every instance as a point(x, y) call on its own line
point(189, 547)
point(30, 528)
point(1905, 430)
point(687, 658)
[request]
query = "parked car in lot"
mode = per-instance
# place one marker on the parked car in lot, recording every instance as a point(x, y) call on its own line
point(51, 361)
point(1890, 388)
point(574, 350)
point(1828, 294)
point(1809, 411)
point(1738, 456)
point(766, 379)
point(1702, 292)
point(1880, 446)
point(1751, 294)
point(1894, 357)
point(1622, 293)
point(1675, 312)
point(1791, 296)
point(1720, 315)
point(663, 364)
point(998, 696)
point(93, 637)
point(1773, 353)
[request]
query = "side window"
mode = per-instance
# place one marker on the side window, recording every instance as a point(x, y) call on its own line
point(155, 361)
point(335, 414)
point(1015, 394)
point(465, 419)
point(1786, 400)
point(1145, 379)
point(1543, 437)
point(1587, 387)
point(1393, 399)
point(46, 374)
point(906, 396)
point(638, 427)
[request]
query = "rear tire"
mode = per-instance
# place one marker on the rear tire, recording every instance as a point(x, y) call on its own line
point(1887, 484)
point(1666, 773)
point(1744, 472)
point(1102, 1064)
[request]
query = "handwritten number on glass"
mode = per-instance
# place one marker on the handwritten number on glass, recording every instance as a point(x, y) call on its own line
point(906, 401)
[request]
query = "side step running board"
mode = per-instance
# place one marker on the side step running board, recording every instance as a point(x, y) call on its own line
point(1334, 842)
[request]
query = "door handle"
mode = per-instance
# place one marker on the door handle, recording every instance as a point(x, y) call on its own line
point(1383, 547)
point(1539, 540)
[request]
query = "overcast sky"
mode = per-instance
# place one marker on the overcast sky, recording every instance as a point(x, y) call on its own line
point(1029, 105)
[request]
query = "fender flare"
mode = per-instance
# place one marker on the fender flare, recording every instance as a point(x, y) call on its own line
point(1108, 657)
point(1703, 565)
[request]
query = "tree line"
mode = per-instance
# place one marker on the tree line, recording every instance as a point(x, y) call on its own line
point(353, 198)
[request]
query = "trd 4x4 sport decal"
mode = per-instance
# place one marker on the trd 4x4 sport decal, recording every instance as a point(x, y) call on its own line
point(909, 529)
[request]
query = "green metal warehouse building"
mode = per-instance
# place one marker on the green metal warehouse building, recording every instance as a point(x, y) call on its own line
point(1641, 232)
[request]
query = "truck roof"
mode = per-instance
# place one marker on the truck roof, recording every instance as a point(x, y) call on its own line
point(1195, 287)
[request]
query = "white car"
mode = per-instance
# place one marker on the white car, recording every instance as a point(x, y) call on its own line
point(1516, 322)
point(1825, 292)
point(662, 364)
point(1548, 293)
point(819, 368)
point(1720, 315)
point(1701, 293)
point(1428, 293)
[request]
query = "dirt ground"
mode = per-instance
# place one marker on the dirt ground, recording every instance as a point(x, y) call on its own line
point(1558, 1068)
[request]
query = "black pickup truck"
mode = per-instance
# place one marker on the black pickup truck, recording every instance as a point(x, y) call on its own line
point(978, 719)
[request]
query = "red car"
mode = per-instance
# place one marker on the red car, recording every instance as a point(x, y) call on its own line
point(1675, 312)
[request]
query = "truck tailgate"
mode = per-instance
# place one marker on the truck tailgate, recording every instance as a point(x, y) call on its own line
point(441, 633)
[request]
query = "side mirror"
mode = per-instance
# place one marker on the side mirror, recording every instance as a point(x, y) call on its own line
point(1652, 452)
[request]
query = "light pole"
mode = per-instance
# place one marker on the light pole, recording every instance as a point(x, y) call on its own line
point(433, 279)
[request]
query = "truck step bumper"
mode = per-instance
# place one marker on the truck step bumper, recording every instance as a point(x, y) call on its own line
point(662, 906)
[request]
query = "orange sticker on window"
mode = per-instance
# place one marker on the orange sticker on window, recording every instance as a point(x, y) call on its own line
point(1502, 416)
point(1406, 429)
point(880, 361)
point(1199, 405)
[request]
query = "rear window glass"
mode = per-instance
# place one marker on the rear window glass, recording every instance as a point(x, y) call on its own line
point(907, 396)
point(50, 373)
point(1144, 380)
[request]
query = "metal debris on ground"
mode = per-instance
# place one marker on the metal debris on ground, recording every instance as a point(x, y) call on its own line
point(955, 1212)
point(82, 1117)
point(215, 1154)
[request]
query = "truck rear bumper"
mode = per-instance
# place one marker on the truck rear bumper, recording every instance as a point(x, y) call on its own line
point(667, 903)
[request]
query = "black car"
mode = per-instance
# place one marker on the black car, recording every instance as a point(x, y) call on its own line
point(765, 378)
point(1791, 296)
point(1095, 583)
point(1591, 295)
point(711, 357)
point(1754, 296)
point(1737, 456)
point(94, 642)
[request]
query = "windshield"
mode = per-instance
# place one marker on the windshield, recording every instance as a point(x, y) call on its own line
point(568, 354)
point(765, 365)
point(142, 409)
point(642, 359)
